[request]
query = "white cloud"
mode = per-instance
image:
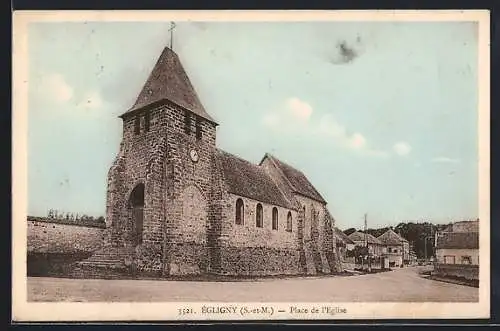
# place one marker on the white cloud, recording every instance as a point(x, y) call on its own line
point(357, 141)
point(331, 128)
point(292, 115)
point(55, 88)
point(295, 116)
point(299, 109)
point(402, 148)
point(443, 159)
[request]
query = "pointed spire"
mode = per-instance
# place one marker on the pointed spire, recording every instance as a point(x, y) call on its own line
point(168, 81)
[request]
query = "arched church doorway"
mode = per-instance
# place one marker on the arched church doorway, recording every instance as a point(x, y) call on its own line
point(136, 207)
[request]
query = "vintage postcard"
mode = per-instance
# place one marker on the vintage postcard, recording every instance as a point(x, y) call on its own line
point(274, 165)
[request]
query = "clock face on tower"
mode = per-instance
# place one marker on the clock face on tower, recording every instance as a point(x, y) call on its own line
point(194, 155)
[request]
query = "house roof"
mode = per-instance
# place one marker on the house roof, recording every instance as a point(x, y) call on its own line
point(342, 236)
point(250, 180)
point(169, 81)
point(296, 179)
point(463, 226)
point(390, 237)
point(467, 240)
point(359, 236)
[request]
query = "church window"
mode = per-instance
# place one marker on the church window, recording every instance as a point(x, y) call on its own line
point(198, 128)
point(147, 121)
point(187, 122)
point(137, 125)
point(258, 216)
point(240, 217)
point(275, 218)
point(289, 222)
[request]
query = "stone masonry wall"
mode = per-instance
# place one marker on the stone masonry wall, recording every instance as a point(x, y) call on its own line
point(249, 235)
point(55, 238)
point(318, 235)
point(159, 159)
point(52, 247)
point(187, 196)
point(250, 250)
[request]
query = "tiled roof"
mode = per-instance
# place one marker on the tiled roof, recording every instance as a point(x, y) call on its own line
point(359, 236)
point(342, 236)
point(466, 226)
point(298, 181)
point(467, 240)
point(250, 180)
point(391, 238)
point(169, 81)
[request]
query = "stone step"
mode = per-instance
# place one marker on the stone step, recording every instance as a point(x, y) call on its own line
point(102, 262)
point(102, 265)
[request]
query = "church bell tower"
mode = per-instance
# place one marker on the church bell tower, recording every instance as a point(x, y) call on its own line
point(159, 186)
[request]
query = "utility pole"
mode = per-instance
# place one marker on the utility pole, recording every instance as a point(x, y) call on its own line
point(366, 243)
point(425, 248)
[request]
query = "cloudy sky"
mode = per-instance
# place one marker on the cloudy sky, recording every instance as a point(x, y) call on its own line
point(382, 117)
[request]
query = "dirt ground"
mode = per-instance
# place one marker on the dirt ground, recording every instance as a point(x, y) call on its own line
point(403, 285)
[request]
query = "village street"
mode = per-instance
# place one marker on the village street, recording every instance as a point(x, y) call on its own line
point(404, 285)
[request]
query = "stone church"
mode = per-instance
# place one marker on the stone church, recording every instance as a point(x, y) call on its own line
point(178, 205)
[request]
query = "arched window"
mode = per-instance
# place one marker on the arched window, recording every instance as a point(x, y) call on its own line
point(136, 205)
point(275, 218)
point(240, 216)
point(258, 216)
point(289, 222)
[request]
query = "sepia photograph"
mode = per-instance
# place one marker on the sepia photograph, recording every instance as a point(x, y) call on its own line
point(250, 165)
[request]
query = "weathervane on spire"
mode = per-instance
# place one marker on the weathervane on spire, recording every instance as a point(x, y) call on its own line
point(172, 27)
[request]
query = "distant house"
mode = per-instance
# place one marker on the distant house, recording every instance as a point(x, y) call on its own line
point(375, 246)
point(457, 251)
point(412, 257)
point(343, 242)
point(397, 248)
point(458, 248)
point(464, 226)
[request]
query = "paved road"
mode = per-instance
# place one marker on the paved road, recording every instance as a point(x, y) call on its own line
point(404, 285)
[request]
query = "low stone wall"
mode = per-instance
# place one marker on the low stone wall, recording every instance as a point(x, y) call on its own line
point(54, 245)
point(259, 261)
point(58, 237)
point(461, 271)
